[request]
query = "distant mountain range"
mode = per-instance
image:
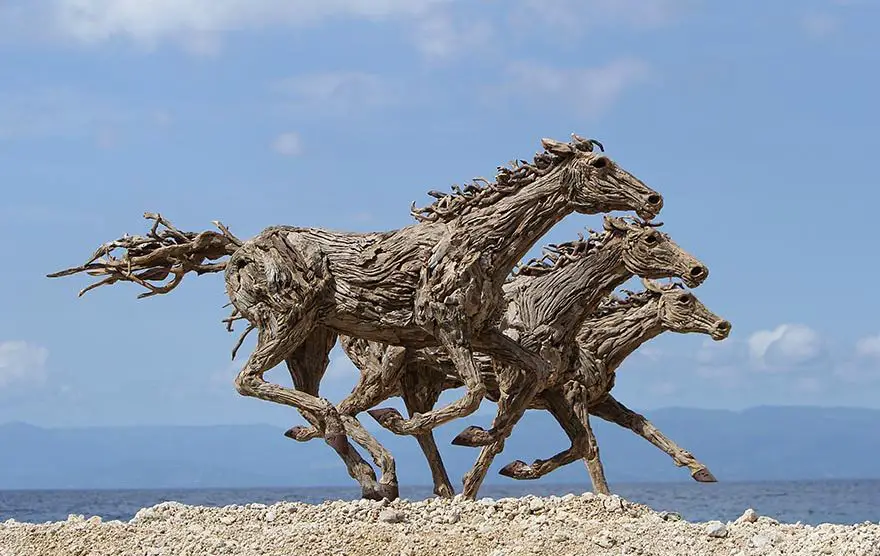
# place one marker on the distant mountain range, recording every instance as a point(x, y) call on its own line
point(763, 443)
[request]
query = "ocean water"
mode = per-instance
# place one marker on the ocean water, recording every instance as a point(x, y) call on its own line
point(811, 502)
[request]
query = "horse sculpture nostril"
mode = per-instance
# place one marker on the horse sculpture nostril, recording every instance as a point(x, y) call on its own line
point(723, 326)
point(698, 271)
point(654, 199)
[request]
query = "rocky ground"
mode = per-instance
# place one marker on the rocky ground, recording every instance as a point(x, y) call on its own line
point(576, 525)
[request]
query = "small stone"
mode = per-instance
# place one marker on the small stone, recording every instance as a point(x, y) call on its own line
point(536, 505)
point(94, 520)
point(759, 541)
point(613, 504)
point(670, 516)
point(716, 529)
point(391, 516)
point(748, 516)
point(227, 519)
point(560, 537)
point(604, 540)
point(271, 516)
point(73, 518)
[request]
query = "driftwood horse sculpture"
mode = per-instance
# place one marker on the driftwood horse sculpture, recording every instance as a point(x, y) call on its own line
point(610, 335)
point(547, 304)
point(435, 283)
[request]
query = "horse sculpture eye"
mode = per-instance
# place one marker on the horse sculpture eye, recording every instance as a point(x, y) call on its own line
point(600, 162)
point(685, 299)
point(651, 239)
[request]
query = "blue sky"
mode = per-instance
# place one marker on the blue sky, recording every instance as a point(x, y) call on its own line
point(757, 121)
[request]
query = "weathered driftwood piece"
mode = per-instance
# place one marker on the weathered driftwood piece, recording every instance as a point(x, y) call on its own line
point(547, 301)
point(436, 283)
point(165, 251)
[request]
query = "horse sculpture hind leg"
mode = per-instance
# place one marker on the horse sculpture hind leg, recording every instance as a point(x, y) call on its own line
point(307, 365)
point(420, 392)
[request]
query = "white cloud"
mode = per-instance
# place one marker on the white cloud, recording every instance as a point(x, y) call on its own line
point(588, 91)
point(22, 362)
point(864, 363)
point(440, 36)
point(334, 93)
point(869, 347)
point(196, 25)
point(785, 347)
point(288, 144)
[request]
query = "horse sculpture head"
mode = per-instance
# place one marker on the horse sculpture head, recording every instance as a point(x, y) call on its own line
point(649, 253)
point(680, 311)
point(598, 184)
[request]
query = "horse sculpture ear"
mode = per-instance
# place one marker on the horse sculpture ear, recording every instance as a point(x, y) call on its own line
point(611, 223)
point(556, 147)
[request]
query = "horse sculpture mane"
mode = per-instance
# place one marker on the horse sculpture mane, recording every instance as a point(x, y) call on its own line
point(614, 303)
point(557, 255)
point(481, 192)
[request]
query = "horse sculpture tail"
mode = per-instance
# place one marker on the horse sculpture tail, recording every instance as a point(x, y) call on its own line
point(164, 251)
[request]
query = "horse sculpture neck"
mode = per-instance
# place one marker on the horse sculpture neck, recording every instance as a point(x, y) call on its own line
point(560, 298)
point(509, 227)
point(616, 334)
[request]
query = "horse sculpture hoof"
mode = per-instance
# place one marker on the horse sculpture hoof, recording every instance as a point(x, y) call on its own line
point(391, 492)
point(372, 494)
point(297, 433)
point(515, 470)
point(703, 475)
point(444, 491)
point(473, 437)
point(385, 416)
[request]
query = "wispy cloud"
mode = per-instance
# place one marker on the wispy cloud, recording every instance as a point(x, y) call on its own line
point(194, 25)
point(863, 365)
point(577, 17)
point(785, 348)
point(339, 93)
point(820, 25)
point(443, 36)
point(58, 112)
point(587, 91)
point(287, 144)
point(22, 363)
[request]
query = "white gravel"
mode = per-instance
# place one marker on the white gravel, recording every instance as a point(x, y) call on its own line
point(558, 526)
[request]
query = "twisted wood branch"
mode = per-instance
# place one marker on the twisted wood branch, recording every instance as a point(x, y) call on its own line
point(150, 259)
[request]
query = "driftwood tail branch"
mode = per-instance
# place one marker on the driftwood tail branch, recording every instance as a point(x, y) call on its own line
point(150, 260)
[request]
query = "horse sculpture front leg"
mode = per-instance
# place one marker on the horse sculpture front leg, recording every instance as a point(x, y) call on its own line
point(574, 419)
point(613, 411)
point(379, 376)
point(456, 342)
point(274, 344)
